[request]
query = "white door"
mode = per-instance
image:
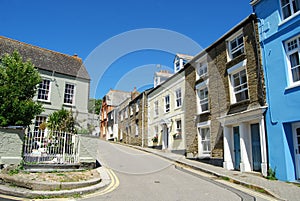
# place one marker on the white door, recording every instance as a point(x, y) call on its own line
point(296, 130)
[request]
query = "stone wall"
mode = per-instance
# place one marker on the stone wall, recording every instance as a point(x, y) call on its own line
point(190, 106)
point(11, 146)
point(219, 93)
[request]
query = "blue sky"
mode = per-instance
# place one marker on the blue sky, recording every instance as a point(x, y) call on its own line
point(117, 39)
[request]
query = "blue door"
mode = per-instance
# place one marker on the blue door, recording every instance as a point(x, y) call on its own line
point(256, 151)
point(237, 149)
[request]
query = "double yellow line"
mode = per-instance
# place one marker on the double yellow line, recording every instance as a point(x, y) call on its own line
point(112, 186)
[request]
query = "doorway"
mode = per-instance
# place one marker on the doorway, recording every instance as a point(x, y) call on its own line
point(237, 148)
point(256, 148)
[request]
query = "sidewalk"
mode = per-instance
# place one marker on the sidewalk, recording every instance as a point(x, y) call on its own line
point(278, 189)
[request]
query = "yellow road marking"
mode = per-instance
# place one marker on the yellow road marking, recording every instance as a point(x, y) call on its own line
point(112, 186)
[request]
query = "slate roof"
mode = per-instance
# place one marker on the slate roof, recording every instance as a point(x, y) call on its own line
point(45, 59)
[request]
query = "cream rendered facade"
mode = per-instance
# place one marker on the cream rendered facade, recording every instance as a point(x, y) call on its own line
point(166, 115)
point(56, 96)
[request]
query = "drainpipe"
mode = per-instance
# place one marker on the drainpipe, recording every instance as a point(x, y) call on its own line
point(265, 71)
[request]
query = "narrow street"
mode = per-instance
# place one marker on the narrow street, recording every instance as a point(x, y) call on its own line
point(143, 176)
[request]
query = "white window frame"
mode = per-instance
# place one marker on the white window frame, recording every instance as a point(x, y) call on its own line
point(233, 71)
point(203, 85)
point(156, 108)
point(167, 103)
point(126, 113)
point(47, 90)
point(112, 115)
point(178, 99)
point(200, 128)
point(70, 94)
point(122, 115)
point(137, 128)
point(290, 7)
point(178, 62)
point(202, 70)
point(294, 50)
point(230, 50)
point(131, 110)
point(178, 126)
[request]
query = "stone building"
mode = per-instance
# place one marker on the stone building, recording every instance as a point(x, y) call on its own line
point(225, 83)
point(138, 115)
point(110, 101)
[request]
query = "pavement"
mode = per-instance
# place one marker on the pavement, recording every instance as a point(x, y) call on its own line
point(278, 189)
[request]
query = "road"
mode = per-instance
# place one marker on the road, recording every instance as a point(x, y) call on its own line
point(143, 176)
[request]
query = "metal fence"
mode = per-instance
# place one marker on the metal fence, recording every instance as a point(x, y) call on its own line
point(51, 147)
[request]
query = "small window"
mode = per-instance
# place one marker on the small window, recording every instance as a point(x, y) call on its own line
point(205, 140)
point(112, 115)
point(239, 86)
point(289, 7)
point(178, 98)
point(203, 99)
point(44, 90)
point(178, 126)
point(156, 109)
point(126, 113)
point(69, 94)
point(136, 128)
point(121, 115)
point(167, 103)
point(293, 51)
point(131, 110)
point(236, 46)
point(202, 70)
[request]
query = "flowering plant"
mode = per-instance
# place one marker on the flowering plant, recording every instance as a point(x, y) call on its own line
point(155, 138)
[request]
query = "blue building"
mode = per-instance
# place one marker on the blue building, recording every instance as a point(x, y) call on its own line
point(279, 29)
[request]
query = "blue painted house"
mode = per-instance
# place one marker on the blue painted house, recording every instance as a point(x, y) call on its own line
point(279, 29)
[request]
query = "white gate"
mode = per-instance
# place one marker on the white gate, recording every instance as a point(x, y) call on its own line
point(51, 147)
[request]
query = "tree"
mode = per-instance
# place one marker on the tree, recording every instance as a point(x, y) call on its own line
point(94, 106)
point(62, 120)
point(18, 85)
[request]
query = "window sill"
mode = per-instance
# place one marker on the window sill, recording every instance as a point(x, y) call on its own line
point(205, 112)
point(44, 101)
point(177, 108)
point(289, 18)
point(68, 105)
point(204, 155)
point(240, 102)
point(292, 87)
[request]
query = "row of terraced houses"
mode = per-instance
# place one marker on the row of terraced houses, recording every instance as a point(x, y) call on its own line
point(234, 104)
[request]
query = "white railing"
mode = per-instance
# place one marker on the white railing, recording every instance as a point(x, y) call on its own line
point(51, 147)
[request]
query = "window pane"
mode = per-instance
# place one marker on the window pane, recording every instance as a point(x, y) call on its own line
point(296, 4)
point(286, 11)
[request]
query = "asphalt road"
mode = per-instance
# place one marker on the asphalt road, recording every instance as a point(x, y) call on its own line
point(141, 176)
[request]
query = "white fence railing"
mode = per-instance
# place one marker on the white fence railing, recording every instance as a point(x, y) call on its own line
point(51, 147)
